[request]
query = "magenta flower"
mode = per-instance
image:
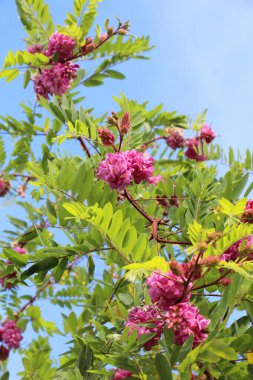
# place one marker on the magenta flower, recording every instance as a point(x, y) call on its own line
point(141, 165)
point(11, 334)
point(115, 170)
point(36, 48)
point(122, 168)
point(146, 320)
point(248, 212)
point(121, 374)
point(155, 179)
point(207, 133)
point(55, 80)
point(193, 150)
point(166, 289)
point(175, 140)
point(185, 320)
point(61, 45)
point(243, 247)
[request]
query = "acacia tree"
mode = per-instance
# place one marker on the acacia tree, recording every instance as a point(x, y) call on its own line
point(139, 204)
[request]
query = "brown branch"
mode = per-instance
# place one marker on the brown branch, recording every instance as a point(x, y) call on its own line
point(84, 146)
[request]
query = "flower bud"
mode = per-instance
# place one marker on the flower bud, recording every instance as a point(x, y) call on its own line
point(4, 187)
point(90, 47)
point(225, 281)
point(121, 31)
point(213, 236)
point(210, 261)
point(106, 136)
point(103, 37)
point(4, 353)
point(110, 31)
point(125, 123)
point(174, 201)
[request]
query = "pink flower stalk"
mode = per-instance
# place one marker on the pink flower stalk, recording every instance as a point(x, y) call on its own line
point(4, 353)
point(167, 289)
point(192, 150)
point(146, 320)
point(37, 48)
point(125, 123)
point(106, 136)
point(115, 170)
point(155, 179)
point(248, 212)
point(55, 80)
point(4, 187)
point(185, 320)
point(11, 334)
point(62, 45)
point(207, 133)
point(175, 140)
point(121, 374)
point(141, 165)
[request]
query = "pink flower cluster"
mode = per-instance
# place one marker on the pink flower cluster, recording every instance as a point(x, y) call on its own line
point(185, 320)
point(167, 289)
point(170, 296)
point(121, 169)
point(121, 374)
point(61, 45)
point(146, 320)
point(106, 136)
point(10, 336)
point(175, 140)
point(55, 80)
point(194, 146)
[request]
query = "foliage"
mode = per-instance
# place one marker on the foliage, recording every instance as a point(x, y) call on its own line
point(90, 249)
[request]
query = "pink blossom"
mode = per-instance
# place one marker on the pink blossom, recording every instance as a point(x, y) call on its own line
point(243, 247)
point(121, 374)
point(11, 334)
point(193, 150)
point(55, 80)
point(155, 179)
point(62, 45)
point(175, 140)
point(4, 187)
point(207, 133)
point(248, 212)
point(106, 136)
point(146, 320)
point(141, 165)
point(120, 169)
point(20, 249)
point(125, 123)
point(36, 48)
point(166, 289)
point(4, 353)
point(185, 320)
point(115, 170)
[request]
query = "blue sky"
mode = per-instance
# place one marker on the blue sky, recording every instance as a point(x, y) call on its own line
point(203, 59)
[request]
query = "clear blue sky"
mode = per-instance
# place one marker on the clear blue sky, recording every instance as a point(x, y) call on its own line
point(203, 59)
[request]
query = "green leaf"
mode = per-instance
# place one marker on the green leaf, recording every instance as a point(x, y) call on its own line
point(115, 74)
point(163, 367)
